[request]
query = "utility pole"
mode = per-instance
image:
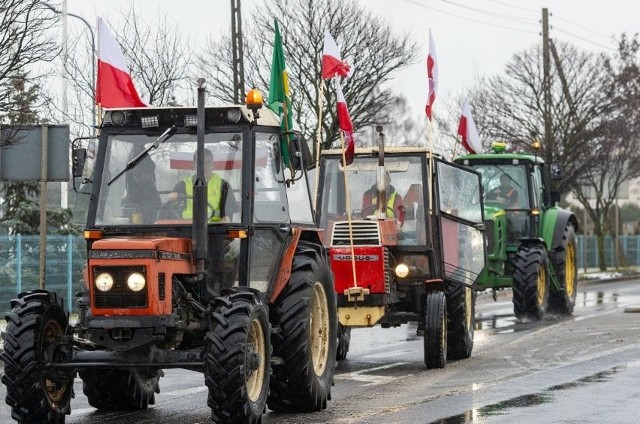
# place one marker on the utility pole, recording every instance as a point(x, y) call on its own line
point(546, 87)
point(238, 57)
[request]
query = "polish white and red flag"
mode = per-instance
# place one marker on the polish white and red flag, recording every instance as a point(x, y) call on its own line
point(114, 86)
point(432, 72)
point(332, 64)
point(468, 131)
point(344, 122)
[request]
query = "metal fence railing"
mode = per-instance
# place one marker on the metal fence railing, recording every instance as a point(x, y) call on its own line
point(66, 257)
point(20, 266)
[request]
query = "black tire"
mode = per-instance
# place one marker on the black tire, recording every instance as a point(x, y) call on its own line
point(530, 283)
point(36, 326)
point(305, 337)
point(344, 340)
point(565, 263)
point(461, 305)
point(435, 330)
point(238, 357)
point(120, 390)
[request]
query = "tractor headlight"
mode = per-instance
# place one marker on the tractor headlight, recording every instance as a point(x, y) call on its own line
point(402, 270)
point(104, 281)
point(136, 281)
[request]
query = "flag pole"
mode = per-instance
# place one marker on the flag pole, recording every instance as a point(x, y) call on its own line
point(318, 141)
point(348, 205)
point(430, 181)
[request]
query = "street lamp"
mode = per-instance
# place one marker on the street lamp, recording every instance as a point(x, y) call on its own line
point(93, 62)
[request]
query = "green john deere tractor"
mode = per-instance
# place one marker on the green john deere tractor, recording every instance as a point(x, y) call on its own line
point(531, 243)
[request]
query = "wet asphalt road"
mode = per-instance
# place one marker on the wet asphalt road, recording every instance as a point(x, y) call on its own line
point(579, 369)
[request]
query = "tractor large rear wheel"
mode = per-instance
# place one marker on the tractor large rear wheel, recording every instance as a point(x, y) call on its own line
point(305, 336)
point(120, 390)
point(34, 336)
point(565, 264)
point(461, 320)
point(530, 283)
point(435, 330)
point(238, 357)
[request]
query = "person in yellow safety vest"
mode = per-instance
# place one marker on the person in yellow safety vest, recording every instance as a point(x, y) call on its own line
point(504, 193)
point(219, 195)
point(394, 200)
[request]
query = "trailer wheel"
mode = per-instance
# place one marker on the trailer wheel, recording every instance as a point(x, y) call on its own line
point(344, 340)
point(238, 357)
point(461, 320)
point(34, 336)
point(120, 390)
point(530, 283)
point(305, 319)
point(565, 264)
point(435, 330)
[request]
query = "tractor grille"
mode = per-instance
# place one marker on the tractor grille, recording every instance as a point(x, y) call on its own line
point(364, 233)
point(120, 296)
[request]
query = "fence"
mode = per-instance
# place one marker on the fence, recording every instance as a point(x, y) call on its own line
point(66, 257)
point(20, 265)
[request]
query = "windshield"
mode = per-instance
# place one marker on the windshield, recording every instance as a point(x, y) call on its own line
point(159, 189)
point(404, 193)
point(505, 185)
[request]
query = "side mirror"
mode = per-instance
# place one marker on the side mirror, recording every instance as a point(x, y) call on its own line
point(79, 157)
point(299, 153)
point(557, 171)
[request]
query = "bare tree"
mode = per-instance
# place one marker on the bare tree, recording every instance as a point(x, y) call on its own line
point(25, 41)
point(618, 143)
point(366, 42)
point(594, 119)
point(510, 107)
point(157, 55)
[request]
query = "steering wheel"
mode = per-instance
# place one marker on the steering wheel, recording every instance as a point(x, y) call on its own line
point(368, 210)
point(172, 209)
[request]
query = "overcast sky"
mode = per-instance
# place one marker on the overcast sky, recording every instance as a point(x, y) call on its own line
point(472, 37)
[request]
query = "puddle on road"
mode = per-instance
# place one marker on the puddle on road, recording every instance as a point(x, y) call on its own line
point(501, 408)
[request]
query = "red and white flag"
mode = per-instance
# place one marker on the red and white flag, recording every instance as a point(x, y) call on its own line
point(468, 131)
point(332, 64)
point(344, 122)
point(114, 86)
point(432, 72)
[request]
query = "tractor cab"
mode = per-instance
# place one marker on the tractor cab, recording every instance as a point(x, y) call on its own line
point(514, 184)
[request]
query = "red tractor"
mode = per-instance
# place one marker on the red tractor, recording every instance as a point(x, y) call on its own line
point(406, 243)
point(196, 260)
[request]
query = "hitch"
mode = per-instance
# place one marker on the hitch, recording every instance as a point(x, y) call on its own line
point(355, 294)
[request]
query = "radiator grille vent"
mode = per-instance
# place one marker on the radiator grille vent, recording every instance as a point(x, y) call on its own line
point(363, 232)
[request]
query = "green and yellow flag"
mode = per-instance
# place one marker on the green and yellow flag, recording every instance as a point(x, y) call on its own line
point(279, 98)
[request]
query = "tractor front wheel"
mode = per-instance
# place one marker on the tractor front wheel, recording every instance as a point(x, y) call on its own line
point(238, 357)
point(344, 340)
point(530, 283)
point(35, 336)
point(435, 330)
point(461, 310)
point(305, 336)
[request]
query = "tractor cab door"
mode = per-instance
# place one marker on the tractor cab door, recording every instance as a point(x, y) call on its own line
point(458, 204)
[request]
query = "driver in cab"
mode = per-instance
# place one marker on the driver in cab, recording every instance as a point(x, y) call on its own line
point(221, 201)
point(394, 208)
point(504, 193)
